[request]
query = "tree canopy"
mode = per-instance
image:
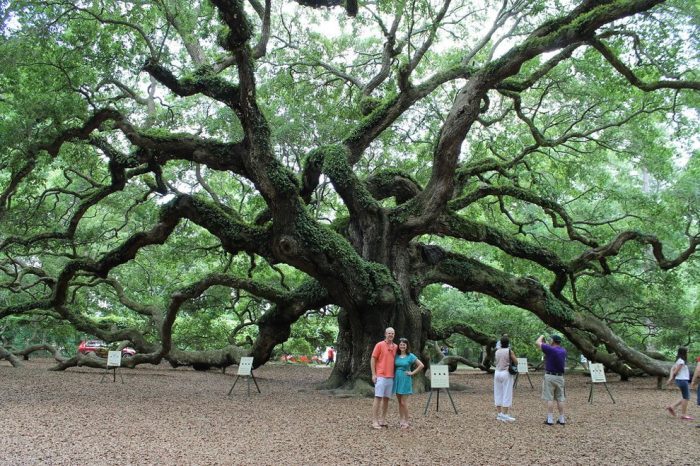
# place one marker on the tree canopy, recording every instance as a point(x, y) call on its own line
point(196, 178)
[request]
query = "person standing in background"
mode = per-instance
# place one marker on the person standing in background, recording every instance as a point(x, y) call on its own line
point(553, 385)
point(503, 380)
point(331, 356)
point(681, 375)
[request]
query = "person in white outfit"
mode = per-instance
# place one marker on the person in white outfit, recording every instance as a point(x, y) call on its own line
point(503, 380)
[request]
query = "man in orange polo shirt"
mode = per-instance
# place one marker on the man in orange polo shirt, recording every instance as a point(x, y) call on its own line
point(382, 364)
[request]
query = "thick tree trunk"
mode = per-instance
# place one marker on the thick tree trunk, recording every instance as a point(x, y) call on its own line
point(361, 330)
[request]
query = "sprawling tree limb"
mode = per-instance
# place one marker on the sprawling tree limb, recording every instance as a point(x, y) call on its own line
point(389, 52)
point(467, 274)
point(52, 147)
point(393, 183)
point(203, 82)
point(575, 27)
point(625, 71)
point(9, 357)
point(485, 340)
point(459, 227)
point(613, 248)
point(26, 351)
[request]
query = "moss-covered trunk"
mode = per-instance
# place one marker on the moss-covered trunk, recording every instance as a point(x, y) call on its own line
point(362, 327)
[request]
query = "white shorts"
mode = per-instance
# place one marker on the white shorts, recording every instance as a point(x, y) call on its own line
point(383, 387)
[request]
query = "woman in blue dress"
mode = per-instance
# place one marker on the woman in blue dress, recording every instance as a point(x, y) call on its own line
point(403, 378)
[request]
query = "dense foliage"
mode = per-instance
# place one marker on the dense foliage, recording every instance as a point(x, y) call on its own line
point(209, 179)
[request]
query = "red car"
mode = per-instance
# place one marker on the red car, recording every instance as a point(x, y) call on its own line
point(100, 348)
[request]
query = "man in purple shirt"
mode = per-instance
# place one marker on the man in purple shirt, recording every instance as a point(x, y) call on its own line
point(553, 386)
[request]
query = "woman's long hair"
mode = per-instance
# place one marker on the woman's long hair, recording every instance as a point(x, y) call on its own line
point(505, 342)
point(682, 354)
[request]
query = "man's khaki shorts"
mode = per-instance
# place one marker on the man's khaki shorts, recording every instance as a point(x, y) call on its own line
point(553, 388)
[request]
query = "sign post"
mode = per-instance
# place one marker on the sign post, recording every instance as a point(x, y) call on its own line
point(598, 376)
point(114, 362)
point(245, 369)
point(439, 378)
point(522, 369)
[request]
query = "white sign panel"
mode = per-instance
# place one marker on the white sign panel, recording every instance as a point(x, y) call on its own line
point(439, 376)
point(114, 359)
point(522, 365)
point(597, 373)
point(245, 366)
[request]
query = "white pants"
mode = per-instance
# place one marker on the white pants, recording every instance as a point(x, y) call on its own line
point(503, 388)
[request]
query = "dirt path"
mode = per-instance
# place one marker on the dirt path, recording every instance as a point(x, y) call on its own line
point(181, 417)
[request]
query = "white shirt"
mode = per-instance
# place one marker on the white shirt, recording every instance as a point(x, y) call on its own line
point(683, 373)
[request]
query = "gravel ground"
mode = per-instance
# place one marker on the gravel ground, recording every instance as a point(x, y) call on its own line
point(179, 416)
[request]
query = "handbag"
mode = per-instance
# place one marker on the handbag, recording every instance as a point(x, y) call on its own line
point(512, 367)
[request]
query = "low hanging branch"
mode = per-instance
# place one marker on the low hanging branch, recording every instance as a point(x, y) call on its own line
point(11, 358)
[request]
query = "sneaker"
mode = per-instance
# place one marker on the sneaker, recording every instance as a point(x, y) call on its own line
point(561, 423)
point(508, 418)
point(547, 423)
point(499, 417)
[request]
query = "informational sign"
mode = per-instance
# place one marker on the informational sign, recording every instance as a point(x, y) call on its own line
point(245, 366)
point(522, 365)
point(597, 373)
point(114, 359)
point(439, 376)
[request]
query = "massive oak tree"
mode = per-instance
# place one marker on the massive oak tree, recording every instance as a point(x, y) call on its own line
point(278, 157)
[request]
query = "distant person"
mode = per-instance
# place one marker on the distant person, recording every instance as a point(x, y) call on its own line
point(584, 362)
point(498, 342)
point(403, 379)
point(553, 385)
point(444, 351)
point(331, 356)
point(681, 374)
point(503, 380)
point(382, 365)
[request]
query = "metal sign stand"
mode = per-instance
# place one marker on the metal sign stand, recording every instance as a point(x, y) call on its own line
point(598, 376)
point(517, 376)
point(437, 398)
point(522, 369)
point(245, 369)
point(590, 394)
point(114, 362)
point(439, 378)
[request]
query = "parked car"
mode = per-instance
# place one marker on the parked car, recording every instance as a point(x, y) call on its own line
point(100, 348)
